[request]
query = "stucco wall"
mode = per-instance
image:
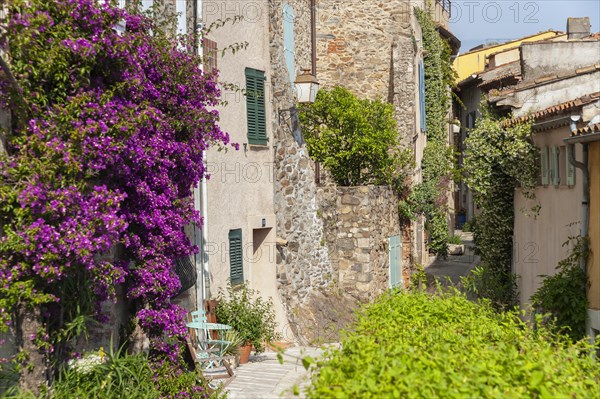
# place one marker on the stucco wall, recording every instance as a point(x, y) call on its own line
point(555, 58)
point(594, 227)
point(240, 190)
point(538, 242)
point(474, 61)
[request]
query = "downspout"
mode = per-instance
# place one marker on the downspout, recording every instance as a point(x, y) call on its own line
point(313, 37)
point(201, 196)
point(585, 201)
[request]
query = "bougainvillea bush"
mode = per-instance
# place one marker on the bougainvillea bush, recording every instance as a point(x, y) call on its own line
point(107, 132)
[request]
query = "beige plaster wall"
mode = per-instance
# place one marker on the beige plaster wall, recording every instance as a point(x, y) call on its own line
point(240, 190)
point(594, 232)
point(538, 243)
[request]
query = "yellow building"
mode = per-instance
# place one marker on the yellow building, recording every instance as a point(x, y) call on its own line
point(474, 61)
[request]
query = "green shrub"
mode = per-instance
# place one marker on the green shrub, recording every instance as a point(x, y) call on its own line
point(121, 376)
point(414, 345)
point(469, 225)
point(355, 139)
point(428, 199)
point(456, 240)
point(252, 317)
point(562, 297)
point(493, 284)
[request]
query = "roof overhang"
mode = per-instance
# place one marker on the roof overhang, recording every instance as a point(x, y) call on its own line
point(583, 138)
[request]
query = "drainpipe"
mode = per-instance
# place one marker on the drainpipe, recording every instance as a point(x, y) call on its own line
point(313, 37)
point(585, 201)
point(201, 199)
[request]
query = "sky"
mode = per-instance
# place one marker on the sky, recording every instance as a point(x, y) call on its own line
point(477, 22)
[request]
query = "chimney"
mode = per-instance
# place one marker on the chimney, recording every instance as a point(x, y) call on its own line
point(578, 28)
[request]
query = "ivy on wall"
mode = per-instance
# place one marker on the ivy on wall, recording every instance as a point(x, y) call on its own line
point(430, 197)
point(498, 159)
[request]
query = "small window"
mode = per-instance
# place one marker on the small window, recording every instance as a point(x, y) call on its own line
point(255, 106)
point(209, 55)
point(236, 263)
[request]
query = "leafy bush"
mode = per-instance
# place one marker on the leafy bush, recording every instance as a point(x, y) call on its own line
point(121, 376)
point(493, 284)
point(356, 139)
point(563, 296)
point(469, 225)
point(248, 314)
point(456, 240)
point(413, 345)
point(428, 199)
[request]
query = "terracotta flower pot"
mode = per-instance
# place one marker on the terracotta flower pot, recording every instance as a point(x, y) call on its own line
point(245, 353)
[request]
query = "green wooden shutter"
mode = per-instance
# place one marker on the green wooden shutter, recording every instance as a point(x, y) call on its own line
point(544, 165)
point(236, 253)
point(395, 249)
point(570, 169)
point(255, 106)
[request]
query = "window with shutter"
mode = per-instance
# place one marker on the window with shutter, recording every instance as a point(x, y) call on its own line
point(570, 169)
point(209, 55)
point(255, 106)
point(236, 273)
point(544, 165)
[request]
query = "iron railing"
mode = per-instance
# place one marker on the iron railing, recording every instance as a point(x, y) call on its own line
point(445, 4)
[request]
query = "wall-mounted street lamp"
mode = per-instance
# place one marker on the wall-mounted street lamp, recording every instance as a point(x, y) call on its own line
point(307, 87)
point(306, 84)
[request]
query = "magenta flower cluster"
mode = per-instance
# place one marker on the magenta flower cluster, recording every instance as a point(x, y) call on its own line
point(117, 125)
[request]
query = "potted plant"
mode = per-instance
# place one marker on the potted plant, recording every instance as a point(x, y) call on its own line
point(252, 317)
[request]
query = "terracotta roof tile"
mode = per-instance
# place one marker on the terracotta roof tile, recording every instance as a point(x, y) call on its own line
point(595, 128)
point(556, 109)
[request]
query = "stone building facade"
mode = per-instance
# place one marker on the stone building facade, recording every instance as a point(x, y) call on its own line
point(374, 50)
point(360, 221)
point(333, 241)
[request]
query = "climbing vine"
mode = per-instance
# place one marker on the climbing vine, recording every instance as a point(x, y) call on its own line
point(430, 197)
point(499, 158)
point(106, 144)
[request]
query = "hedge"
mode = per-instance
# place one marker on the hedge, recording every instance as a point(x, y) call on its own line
point(414, 345)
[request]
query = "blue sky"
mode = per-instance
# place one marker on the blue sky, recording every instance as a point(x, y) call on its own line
point(476, 22)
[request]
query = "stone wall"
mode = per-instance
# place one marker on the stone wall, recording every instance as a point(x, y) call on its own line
point(356, 41)
point(373, 48)
point(332, 252)
point(303, 269)
point(359, 221)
